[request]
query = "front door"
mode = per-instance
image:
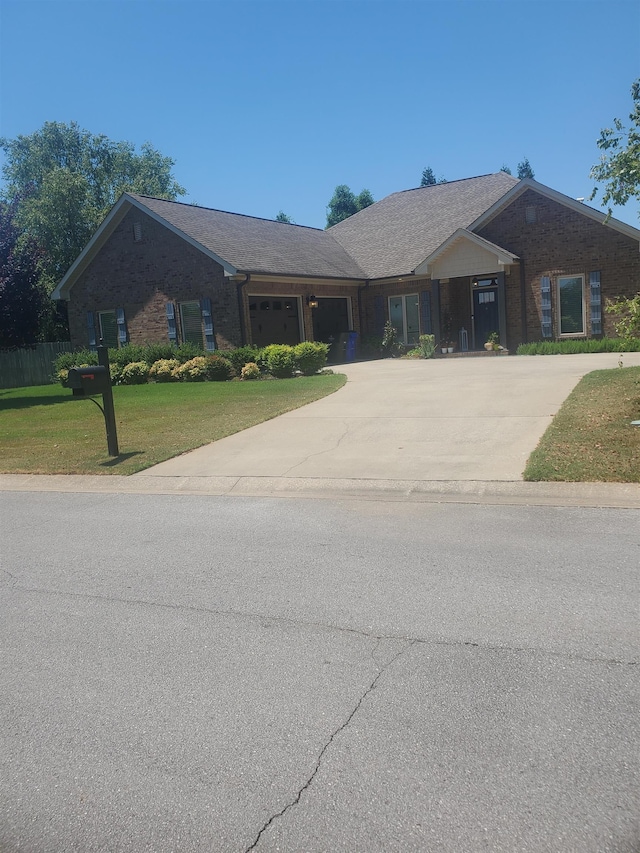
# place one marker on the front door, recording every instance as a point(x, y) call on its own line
point(485, 314)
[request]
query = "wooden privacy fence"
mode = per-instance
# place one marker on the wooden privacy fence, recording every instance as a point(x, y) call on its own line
point(24, 367)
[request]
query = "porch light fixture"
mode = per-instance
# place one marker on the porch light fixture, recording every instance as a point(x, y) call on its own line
point(312, 301)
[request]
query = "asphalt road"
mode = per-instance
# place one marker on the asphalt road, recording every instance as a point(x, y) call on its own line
point(192, 673)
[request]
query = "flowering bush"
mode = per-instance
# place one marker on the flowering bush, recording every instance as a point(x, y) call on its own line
point(310, 357)
point(250, 371)
point(162, 369)
point(134, 373)
point(194, 370)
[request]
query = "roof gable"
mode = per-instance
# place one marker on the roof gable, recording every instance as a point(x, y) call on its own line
point(571, 203)
point(394, 236)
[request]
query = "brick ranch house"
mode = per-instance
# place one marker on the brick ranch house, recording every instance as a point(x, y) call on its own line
point(483, 254)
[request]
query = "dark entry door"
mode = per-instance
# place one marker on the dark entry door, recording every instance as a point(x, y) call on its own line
point(330, 320)
point(485, 313)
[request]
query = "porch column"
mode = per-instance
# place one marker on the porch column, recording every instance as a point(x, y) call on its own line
point(502, 309)
point(435, 308)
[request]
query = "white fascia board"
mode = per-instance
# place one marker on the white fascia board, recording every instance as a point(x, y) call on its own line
point(554, 195)
point(108, 226)
point(502, 255)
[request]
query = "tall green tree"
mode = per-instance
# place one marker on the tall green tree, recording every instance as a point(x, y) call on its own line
point(619, 166)
point(525, 170)
point(23, 302)
point(505, 168)
point(345, 203)
point(67, 179)
point(282, 217)
point(428, 178)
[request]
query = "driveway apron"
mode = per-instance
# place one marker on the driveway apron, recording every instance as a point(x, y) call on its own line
point(442, 419)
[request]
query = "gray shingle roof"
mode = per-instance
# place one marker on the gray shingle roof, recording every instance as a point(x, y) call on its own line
point(259, 245)
point(394, 235)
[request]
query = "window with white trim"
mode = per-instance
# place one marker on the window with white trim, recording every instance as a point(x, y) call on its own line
point(404, 313)
point(571, 305)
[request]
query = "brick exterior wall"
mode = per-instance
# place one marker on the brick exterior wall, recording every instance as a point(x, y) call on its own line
point(142, 277)
point(561, 242)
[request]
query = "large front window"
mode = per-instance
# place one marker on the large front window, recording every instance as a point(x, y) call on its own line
point(404, 314)
point(571, 304)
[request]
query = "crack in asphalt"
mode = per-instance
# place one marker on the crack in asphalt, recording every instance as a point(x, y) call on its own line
point(335, 733)
point(238, 614)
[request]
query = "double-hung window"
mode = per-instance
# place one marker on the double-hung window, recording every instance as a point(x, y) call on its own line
point(191, 323)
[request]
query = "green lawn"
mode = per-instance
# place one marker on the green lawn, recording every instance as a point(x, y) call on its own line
point(45, 430)
point(591, 439)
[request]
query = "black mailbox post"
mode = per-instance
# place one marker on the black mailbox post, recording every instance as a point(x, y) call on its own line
point(89, 381)
point(86, 381)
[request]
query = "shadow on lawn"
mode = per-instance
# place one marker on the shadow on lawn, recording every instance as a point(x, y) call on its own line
point(27, 402)
point(111, 463)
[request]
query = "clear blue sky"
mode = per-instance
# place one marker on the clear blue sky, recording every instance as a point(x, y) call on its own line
point(269, 105)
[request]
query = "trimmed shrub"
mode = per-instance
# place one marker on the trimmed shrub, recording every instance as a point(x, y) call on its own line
point(194, 370)
point(67, 360)
point(280, 360)
point(310, 357)
point(159, 352)
point(187, 352)
point(134, 373)
point(219, 369)
point(115, 371)
point(241, 356)
point(127, 354)
point(250, 371)
point(162, 369)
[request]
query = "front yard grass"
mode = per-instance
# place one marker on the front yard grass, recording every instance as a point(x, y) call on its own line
point(45, 430)
point(591, 439)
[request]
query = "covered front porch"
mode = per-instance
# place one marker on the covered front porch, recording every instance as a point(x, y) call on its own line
point(474, 284)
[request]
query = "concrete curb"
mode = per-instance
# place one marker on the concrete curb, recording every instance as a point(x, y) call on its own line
point(622, 495)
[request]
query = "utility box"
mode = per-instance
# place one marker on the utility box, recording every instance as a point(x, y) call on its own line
point(87, 381)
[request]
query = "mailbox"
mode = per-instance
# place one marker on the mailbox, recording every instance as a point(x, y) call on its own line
point(86, 381)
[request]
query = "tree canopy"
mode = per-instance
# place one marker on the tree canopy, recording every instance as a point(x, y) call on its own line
point(525, 170)
point(22, 301)
point(428, 178)
point(619, 166)
point(345, 203)
point(67, 179)
point(282, 217)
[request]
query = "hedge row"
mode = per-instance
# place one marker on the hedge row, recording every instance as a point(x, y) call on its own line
point(574, 346)
point(135, 365)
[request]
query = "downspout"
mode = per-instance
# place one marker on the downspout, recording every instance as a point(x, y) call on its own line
point(360, 289)
point(239, 286)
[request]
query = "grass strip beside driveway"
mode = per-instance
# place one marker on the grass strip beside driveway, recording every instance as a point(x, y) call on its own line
point(591, 439)
point(45, 430)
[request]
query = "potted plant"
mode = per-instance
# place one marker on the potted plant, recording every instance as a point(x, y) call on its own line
point(493, 342)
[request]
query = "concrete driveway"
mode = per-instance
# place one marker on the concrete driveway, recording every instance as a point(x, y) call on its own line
point(457, 419)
